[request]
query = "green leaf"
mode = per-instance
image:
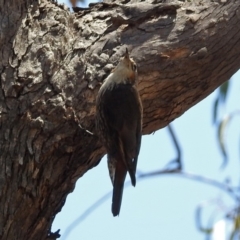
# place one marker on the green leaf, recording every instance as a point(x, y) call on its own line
point(198, 215)
point(236, 228)
point(223, 91)
point(215, 109)
point(222, 134)
point(221, 98)
point(221, 138)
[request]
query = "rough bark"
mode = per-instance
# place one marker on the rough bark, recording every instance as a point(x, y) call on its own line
point(52, 64)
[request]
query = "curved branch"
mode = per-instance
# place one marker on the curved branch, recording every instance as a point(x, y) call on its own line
point(143, 176)
point(176, 144)
point(222, 186)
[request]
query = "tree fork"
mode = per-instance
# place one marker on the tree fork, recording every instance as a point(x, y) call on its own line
point(52, 64)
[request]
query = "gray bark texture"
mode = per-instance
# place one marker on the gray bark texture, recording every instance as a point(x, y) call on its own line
point(52, 63)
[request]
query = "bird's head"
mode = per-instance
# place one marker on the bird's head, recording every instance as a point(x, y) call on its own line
point(127, 68)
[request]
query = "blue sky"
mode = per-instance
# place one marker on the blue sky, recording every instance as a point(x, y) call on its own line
point(161, 207)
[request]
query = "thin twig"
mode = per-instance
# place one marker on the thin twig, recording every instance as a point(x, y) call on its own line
point(85, 214)
point(142, 176)
point(178, 160)
point(192, 176)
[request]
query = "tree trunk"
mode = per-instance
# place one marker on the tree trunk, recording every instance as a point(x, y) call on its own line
point(52, 64)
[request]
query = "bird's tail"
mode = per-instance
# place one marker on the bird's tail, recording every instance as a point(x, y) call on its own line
point(118, 185)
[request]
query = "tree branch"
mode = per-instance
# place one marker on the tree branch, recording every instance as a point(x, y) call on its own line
point(222, 186)
point(51, 66)
point(143, 176)
point(178, 159)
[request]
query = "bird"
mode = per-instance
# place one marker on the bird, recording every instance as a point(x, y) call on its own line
point(119, 125)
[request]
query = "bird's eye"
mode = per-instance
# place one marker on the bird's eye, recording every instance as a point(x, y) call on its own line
point(134, 67)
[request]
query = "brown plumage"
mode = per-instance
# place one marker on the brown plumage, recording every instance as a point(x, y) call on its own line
point(119, 125)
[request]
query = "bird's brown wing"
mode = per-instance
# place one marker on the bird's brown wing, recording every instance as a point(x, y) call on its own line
point(119, 112)
point(122, 111)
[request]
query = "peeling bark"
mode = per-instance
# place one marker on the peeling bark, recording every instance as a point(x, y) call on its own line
point(52, 64)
